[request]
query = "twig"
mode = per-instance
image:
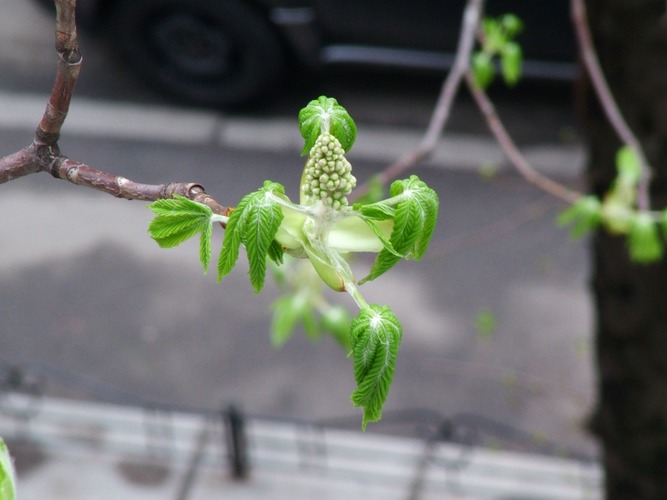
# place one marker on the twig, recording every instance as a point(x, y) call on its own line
point(17, 165)
point(607, 101)
point(512, 151)
point(44, 155)
point(67, 73)
point(451, 85)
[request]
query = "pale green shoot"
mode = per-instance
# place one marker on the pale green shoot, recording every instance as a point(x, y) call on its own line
point(324, 229)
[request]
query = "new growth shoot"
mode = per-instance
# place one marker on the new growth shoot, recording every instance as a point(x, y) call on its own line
point(324, 229)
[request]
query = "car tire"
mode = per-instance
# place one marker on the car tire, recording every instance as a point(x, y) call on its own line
point(219, 53)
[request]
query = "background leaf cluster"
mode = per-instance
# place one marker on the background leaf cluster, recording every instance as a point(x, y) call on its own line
point(498, 43)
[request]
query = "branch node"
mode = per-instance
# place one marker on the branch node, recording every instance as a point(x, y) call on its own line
point(44, 138)
point(71, 57)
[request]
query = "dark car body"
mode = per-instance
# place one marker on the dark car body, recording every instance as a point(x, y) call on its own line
point(229, 52)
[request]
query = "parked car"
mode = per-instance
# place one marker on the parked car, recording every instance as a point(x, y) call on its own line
point(232, 52)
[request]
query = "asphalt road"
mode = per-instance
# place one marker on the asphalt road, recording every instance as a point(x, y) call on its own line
point(83, 288)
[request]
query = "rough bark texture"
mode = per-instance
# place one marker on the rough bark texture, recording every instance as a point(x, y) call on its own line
point(631, 300)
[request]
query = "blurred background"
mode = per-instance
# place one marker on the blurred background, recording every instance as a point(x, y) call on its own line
point(497, 317)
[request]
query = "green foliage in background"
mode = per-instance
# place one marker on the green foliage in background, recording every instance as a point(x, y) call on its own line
point(498, 43)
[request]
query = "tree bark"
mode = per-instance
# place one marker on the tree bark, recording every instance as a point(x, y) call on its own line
point(630, 419)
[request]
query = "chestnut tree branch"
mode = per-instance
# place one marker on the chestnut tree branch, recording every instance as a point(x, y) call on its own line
point(518, 160)
point(44, 155)
point(450, 87)
point(606, 98)
point(459, 73)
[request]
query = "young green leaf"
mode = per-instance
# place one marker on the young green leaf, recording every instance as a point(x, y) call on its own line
point(511, 61)
point(7, 475)
point(376, 211)
point(229, 253)
point(337, 320)
point(287, 312)
point(276, 252)
point(253, 223)
point(416, 213)
point(511, 24)
point(644, 240)
point(375, 338)
point(261, 226)
point(324, 115)
point(584, 214)
point(628, 166)
point(178, 219)
point(482, 69)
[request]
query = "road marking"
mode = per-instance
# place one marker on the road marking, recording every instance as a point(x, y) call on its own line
point(115, 120)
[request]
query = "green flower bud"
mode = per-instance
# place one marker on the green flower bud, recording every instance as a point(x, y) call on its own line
point(327, 175)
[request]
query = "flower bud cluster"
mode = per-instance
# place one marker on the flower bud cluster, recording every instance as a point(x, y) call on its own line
point(327, 174)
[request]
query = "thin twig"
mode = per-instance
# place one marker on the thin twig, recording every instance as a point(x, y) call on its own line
point(513, 153)
point(450, 87)
point(44, 155)
point(67, 73)
point(607, 101)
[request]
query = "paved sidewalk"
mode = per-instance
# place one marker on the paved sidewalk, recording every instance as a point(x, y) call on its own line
point(82, 451)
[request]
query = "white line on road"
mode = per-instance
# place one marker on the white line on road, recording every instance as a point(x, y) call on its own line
point(176, 125)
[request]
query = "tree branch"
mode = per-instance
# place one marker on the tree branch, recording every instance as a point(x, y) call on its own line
point(451, 85)
point(44, 155)
point(67, 73)
point(508, 145)
point(606, 98)
point(459, 72)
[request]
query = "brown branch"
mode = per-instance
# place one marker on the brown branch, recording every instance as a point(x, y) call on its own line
point(17, 165)
point(44, 155)
point(451, 85)
point(606, 98)
point(67, 73)
point(510, 148)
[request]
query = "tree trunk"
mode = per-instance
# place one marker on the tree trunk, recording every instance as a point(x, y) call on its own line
point(630, 419)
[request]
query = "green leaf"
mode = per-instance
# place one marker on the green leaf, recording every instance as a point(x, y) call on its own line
point(482, 69)
point(325, 115)
point(253, 223)
point(288, 311)
point(377, 211)
point(375, 337)
point(7, 475)
point(511, 24)
point(584, 214)
point(233, 236)
point(415, 217)
point(628, 166)
point(388, 247)
point(644, 241)
point(261, 225)
point(205, 245)
point(179, 219)
point(337, 320)
point(492, 31)
point(285, 318)
point(511, 61)
point(276, 252)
